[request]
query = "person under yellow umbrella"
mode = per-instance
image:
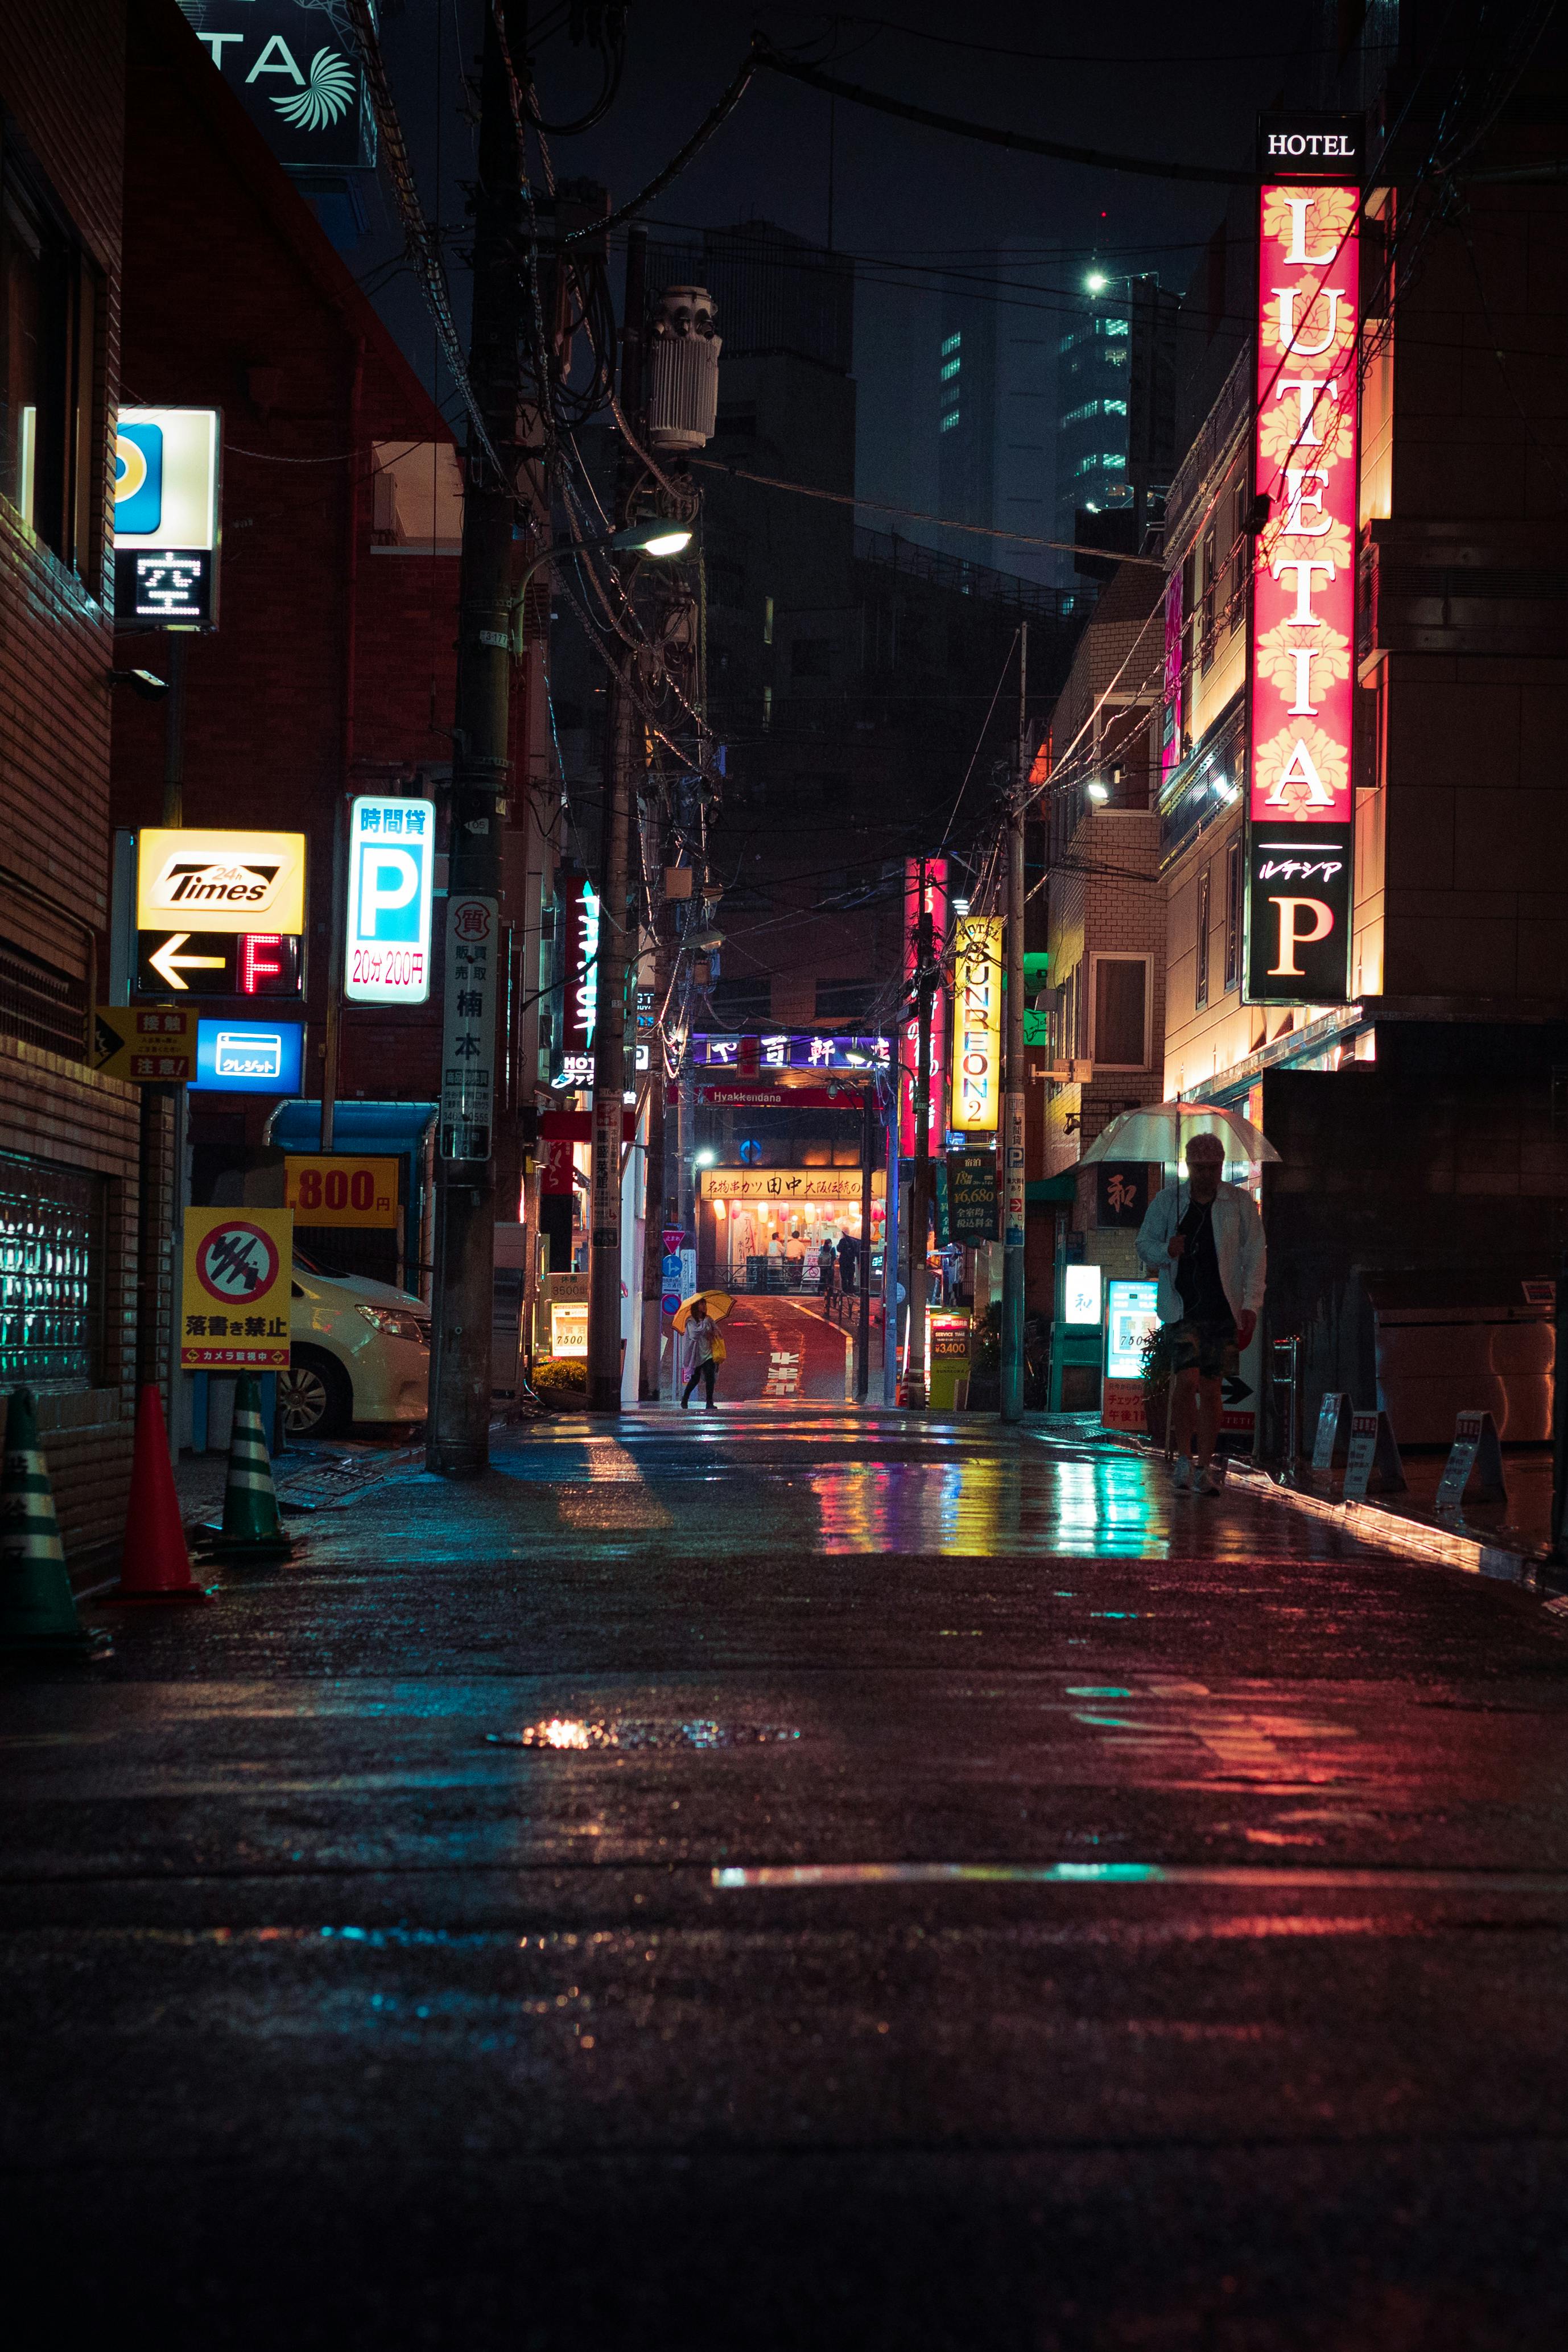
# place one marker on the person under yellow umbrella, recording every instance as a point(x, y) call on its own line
point(698, 1318)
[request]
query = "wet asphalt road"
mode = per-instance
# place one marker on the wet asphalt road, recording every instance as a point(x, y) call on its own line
point(784, 1879)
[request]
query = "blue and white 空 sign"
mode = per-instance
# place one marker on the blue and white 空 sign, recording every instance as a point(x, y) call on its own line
point(392, 877)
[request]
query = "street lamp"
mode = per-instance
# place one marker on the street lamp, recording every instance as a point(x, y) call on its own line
point(1096, 282)
point(656, 537)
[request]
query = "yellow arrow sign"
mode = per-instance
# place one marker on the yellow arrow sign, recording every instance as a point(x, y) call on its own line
point(145, 1044)
point(168, 964)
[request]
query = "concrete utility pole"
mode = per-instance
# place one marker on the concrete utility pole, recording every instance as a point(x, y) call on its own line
point(919, 1192)
point(463, 1301)
point(1013, 1110)
point(863, 1263)
point(618, 925)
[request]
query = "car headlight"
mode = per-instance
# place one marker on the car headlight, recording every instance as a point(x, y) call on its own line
point(396, 1324)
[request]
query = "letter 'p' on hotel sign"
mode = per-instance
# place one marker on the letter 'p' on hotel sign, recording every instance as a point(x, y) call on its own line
point(1305, 462)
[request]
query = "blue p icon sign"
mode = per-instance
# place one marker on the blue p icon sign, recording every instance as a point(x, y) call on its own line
point(389, 892)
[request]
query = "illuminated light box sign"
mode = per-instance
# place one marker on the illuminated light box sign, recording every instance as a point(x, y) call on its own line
point(293, 66)
point(977, 1025)
point(793, 1052)
point(219, 881)
point(574, 992)
point(166, 518)
point(248, 1057)
point(1080, 1294)
point(1299, 914)
point(792, 1186)
point(218, 963)
point(935, 872)
point(392, 877)
point(1304, 584)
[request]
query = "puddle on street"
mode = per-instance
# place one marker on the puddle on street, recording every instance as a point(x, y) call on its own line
point(574, 1732)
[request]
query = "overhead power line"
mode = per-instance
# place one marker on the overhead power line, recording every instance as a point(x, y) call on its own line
point(1019, 142)
point(917, 514)
point(420, 243)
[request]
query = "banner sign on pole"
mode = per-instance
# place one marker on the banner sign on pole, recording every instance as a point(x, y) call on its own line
point(392, 876)
point(468, 1028)
point(239, 1277)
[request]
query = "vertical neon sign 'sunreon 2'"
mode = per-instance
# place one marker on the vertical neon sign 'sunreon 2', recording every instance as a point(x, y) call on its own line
point(1303, 599)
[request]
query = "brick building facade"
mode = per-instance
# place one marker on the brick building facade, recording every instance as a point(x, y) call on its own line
point(69, 1138)
point(332, 669)
point(1419, 1121)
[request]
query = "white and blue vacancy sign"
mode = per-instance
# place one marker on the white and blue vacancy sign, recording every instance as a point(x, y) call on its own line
point(392, 877)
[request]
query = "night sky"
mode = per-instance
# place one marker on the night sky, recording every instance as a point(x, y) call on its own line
point(908, 202)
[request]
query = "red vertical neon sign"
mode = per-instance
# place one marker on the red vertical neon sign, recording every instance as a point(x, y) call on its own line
point(936, 906)
point(1303, 596)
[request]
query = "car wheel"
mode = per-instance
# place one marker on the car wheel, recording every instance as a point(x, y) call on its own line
point(314, 1395)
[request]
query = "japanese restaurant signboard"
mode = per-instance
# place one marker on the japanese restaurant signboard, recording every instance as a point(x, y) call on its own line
point(1304, 577)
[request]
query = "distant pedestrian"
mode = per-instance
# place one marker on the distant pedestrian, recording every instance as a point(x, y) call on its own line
point(826, 1269)
point(1205, 1240)
point(848, 1262)
point(702, 1343)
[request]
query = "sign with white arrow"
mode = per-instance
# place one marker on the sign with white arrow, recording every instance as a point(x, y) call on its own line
point(218, 963)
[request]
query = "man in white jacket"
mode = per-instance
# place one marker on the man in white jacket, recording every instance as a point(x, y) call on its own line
point(1205, 1240)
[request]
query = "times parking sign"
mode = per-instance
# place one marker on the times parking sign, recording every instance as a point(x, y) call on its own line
point(392, 873)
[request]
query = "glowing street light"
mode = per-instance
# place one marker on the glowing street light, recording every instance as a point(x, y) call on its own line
point(1097, 281)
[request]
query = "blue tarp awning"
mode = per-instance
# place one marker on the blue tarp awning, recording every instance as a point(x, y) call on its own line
point(357, 1126)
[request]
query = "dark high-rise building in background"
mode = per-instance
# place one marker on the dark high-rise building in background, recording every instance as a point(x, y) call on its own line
point(967, 411)
point(1116, 413)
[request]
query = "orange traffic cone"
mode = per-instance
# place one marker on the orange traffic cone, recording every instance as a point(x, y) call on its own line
point(155, 1565)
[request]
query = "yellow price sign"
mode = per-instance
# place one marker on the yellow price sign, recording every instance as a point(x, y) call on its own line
point(239, 1277)
point(341, 1188)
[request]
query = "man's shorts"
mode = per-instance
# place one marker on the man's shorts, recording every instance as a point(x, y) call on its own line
point(1207, 1348)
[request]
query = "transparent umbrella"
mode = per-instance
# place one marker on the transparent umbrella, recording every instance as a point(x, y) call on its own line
point(1162, 1131)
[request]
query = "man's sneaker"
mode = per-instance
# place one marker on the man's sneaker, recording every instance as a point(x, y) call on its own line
point(1205, 1483)
point(1181, 1473)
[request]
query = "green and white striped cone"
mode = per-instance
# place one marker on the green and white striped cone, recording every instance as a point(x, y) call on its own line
point(37, 1608)
point(250, 1519)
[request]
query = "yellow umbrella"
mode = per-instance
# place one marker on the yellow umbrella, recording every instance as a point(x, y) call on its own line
point(719, 1304)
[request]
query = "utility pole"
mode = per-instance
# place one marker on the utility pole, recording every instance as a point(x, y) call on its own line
point(919, 1192)
point(1013, 1197)
point(463, 1301)
point(863, 1263)
point(617, 930)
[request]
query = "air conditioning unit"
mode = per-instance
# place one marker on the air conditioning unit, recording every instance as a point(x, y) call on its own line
point(683, 369)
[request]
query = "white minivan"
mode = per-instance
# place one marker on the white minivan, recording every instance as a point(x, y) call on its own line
point(360, 1352)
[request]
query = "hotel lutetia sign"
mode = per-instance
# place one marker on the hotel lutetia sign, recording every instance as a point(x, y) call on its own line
point(1304, 577)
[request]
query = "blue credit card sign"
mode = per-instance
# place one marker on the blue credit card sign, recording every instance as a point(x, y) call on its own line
point(250, 1058)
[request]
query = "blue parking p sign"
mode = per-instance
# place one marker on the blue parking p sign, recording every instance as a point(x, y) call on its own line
point(392, 876)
